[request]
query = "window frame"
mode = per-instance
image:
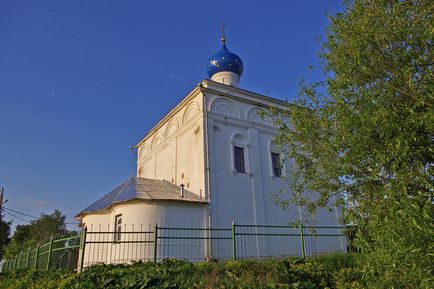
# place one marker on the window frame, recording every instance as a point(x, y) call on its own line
point(238, 140)
point(117, 236)
point(279, 164)
point(239, 159)
point(273, 148)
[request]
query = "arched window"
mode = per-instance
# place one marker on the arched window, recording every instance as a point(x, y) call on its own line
point(277, 167)
point(118, 228)
point(240, 166)
point(240, 154)
point(276, 164)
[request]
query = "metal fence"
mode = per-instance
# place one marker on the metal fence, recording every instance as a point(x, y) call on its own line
point(154, 243)
point(55, 253)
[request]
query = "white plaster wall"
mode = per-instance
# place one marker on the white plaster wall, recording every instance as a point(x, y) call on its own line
point(227, 77)
point(174, 151)
point(97, 221)
point(139, 220)
point(246, 198)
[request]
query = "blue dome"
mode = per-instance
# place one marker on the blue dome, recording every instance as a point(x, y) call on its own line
point(224, 61)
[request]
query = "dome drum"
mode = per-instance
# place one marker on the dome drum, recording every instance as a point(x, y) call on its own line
point(227, 77)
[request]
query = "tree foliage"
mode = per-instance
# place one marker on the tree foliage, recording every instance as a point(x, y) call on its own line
point(366, 133)
point(40, 229)
point(5, 231)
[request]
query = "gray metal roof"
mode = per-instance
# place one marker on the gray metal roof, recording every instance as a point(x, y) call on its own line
point(142, 189)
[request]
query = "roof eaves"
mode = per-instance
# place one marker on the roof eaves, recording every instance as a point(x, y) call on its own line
point(198, 201)
point(176, 108)
point(250, 93)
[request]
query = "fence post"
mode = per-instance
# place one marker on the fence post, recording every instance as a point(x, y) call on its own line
point(83, 246)
point(28, 258)
point(35, 265)
point(19, 259)
point(155, 242)
point(234, 244)
point(303, 252)
point(50, 248)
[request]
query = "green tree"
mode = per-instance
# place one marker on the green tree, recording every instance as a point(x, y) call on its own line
point(21, 234)
point(48, 225)
point(5, 231)
point(40, 229)
point(366, 133)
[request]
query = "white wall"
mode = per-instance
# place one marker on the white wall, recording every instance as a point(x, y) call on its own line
point(174, 150)
point(137, 219)
point(246, 198)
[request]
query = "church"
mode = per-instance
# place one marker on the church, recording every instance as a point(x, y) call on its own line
point(209, 162)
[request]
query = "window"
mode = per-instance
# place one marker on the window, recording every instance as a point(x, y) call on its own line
point(275, 163)
point(239, 155)
point(118, 228)
point(239, 159)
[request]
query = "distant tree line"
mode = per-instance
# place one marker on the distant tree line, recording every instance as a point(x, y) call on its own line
point(28, 235)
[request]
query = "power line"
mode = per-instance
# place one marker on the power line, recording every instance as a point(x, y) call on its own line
point(27, 221)
point(34, 217)
point(24, 214)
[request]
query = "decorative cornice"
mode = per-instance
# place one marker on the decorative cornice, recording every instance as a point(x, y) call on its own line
point(169, 115)
point(264, 98)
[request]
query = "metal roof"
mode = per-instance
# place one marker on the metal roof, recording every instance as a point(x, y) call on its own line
point(142, 189)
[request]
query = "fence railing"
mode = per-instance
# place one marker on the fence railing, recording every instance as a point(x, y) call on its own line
point(54, 253)
point(156, 243)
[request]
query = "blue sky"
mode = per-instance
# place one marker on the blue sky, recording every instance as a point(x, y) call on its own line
point(82, 81)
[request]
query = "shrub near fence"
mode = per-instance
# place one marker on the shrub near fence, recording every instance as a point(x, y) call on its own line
point(194, 244)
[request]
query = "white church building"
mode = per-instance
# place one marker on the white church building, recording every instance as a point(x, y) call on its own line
point(207, 163)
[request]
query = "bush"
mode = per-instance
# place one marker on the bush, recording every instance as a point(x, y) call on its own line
point(32, 279)
point(288, 273)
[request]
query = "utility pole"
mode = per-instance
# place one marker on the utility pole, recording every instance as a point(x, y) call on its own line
point(1, 198)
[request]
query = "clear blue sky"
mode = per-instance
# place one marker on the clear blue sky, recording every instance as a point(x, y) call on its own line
point(82, 81)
